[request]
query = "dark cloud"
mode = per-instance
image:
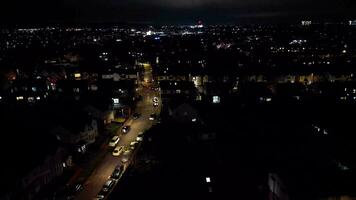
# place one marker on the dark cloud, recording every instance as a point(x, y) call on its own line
point(167, 11)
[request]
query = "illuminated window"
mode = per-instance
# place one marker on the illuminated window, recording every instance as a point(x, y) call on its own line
point(116, 100)
point(77, 75)
point(199, 98)
point(216, 99)
point(19, 98)
point(30, 99)
point(207, 179)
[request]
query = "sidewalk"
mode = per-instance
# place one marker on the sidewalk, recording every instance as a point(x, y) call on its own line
point(82, 170)
point(96, 152)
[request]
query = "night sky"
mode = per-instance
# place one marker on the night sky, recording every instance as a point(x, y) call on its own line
point(173, 11)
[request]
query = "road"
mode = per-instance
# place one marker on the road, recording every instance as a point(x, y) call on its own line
point(101, 174)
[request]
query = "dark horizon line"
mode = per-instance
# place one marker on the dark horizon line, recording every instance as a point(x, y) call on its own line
point(108, 23)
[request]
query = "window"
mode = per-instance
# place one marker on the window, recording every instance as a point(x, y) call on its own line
point(116, 100)
point(77, 75)
point(19, 98)
point(216, 99)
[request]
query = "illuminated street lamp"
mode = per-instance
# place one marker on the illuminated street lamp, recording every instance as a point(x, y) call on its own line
point(207, 179)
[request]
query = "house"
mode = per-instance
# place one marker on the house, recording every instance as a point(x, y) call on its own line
point(120, 72)
point(37, 157)
point(103, 116)
point(75, 88)
point(28, 90)
point(172, 89)
point(122, 94)
point(77, 127)
point(183, 113)
point(70, 123)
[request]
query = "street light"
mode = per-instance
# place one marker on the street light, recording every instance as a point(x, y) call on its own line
point(207, 179)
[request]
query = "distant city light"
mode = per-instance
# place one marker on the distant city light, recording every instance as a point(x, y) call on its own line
point(77, 75)
point(19, 98)
point(30, 99)
point(148, 33)
point(306, 23)
point(216, 99)
point(325, 132)
point(116, 100)
point(157, 60)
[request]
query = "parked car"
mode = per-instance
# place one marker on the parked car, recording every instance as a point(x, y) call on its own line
point(133, 144)
point(114, 140)
point(127, 150)
point(139, 138)
point(118, 150)
point(126, 129)
point(108, 185)
point(73, 191)
point(136, 115)
point(152, 117)
point(99, 197)
point(155, 99)
point(117, 172)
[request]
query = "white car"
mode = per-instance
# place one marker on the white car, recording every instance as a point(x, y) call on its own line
point(152, 117)
point(139, 139)
point(126, 129)
point(133, 144)
point(114, 140)
point(118, 150)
